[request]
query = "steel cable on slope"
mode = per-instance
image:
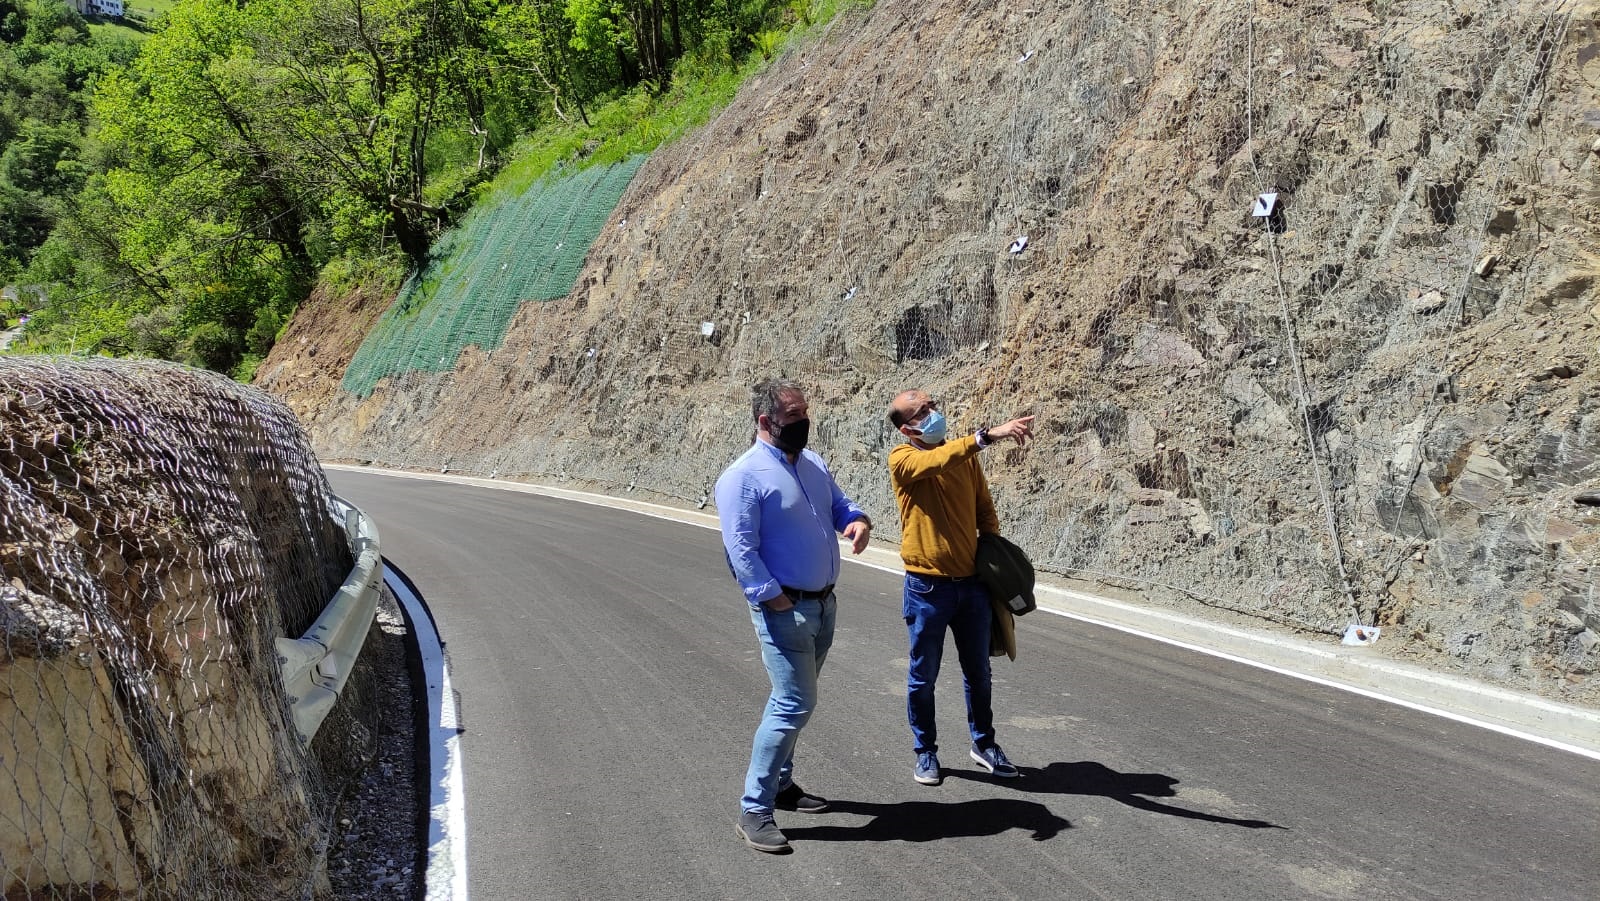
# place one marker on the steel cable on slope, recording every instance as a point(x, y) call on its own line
point(1551, 35)
point(1431, 400)
point(1290, 343)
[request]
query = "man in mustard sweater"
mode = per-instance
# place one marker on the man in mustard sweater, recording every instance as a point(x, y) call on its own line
point(944, 504)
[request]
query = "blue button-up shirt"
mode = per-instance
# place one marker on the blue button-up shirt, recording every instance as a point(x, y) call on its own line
point(780, 521)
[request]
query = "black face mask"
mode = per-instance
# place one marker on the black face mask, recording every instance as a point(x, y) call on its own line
point(790, 438)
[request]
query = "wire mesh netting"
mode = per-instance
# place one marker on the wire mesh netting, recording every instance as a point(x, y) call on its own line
point(527, 248)
point(159, 528)
point(1255, 267)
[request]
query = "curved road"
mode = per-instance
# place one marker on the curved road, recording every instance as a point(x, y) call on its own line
point(609, 684)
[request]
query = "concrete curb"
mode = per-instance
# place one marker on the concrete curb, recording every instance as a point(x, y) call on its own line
point(1359, 670)
point(446, 872)
point(1565, 727)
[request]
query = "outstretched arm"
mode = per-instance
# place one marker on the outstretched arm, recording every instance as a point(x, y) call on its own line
point(908, 464)
point(1018, 430)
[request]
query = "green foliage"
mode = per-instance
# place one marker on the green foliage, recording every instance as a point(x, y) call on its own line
point(264, 331)
point(77, 314)
point(635, 123)
point(180, 193)
point(42, 159)
point(212, 345)
point(155, 334)
point(769, 42)
point(246, 368)
point(25, 223)
point(600, 25)
point(49, 63)
point(379, 274)
point(11, 311)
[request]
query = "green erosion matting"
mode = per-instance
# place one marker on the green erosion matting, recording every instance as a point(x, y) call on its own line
point(528, 247)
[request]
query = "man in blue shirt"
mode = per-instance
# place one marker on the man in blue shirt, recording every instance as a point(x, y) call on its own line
point(780, 510)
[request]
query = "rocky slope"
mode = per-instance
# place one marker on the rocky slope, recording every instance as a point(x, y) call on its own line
point(1375, 404)
point(159, 528)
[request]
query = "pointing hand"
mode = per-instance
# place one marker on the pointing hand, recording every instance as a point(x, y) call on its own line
point(1018, 430)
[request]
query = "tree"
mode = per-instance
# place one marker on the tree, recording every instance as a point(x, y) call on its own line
point(24, 223)
point(632, 29)
point(42, 159)
point(183, 123)
point(534, 44)
point(363, 86)
point(249, 143)
point(49, 61)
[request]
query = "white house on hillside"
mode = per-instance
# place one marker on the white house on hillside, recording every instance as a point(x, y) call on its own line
point(98, 7)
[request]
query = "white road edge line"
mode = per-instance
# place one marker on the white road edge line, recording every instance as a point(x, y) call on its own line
point(709, 521)
point(1319, 680)
point(447, 807)
point(1342, 686)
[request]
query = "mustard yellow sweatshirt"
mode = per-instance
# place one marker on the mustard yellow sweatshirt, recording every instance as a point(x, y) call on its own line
point(944, 504)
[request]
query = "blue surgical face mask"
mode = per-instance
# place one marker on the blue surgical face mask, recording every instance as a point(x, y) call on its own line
point(932, 428)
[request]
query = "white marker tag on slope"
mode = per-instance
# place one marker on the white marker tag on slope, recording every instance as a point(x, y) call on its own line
point(1360, 636)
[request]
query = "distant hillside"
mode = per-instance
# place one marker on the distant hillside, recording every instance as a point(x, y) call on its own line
point(1374, 402)
point(50, 59)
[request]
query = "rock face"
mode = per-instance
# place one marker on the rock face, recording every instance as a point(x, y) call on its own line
point(159, 528)
point(1374, 402)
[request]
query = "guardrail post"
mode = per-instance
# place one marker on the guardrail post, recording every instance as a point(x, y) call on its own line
point(316, 665)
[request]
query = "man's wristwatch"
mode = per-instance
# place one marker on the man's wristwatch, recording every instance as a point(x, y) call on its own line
point(983, 436)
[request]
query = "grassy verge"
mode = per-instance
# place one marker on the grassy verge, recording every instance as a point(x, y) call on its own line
point(639, 121)
point(148, 9)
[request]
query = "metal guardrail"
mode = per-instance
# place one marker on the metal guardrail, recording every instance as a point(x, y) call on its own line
point(316, 665)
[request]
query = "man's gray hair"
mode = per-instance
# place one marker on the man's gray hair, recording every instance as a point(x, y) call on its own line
point(767, 395)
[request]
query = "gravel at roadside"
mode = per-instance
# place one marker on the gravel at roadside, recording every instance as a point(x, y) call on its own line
point(375, 851)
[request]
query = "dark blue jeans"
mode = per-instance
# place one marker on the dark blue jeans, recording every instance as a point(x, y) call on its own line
point(931, 606)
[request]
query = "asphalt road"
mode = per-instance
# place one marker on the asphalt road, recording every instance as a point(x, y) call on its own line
point(609, 683)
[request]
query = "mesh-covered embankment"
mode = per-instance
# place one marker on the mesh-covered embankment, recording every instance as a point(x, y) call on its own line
point(529, 247)
point(1375, 401)
point(159, 527)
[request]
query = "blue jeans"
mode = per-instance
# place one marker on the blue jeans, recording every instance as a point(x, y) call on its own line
point(794, 644)
point(963, 606)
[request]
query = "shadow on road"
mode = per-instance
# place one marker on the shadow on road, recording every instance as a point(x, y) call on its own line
point(926, 821)
point(1090, 778)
